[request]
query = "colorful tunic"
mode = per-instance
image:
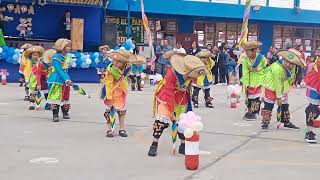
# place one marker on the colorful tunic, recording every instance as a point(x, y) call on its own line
point(312, 80)
point(102, 64)
point(27, 67)
point(252, 73)
point(172, 96)
point(205, 81)
point(59, 92)
point(277, 82)
point(115, 87)
point(38, 77)
point(137, 69)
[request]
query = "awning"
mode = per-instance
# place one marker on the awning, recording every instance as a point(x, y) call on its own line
point(96, 3)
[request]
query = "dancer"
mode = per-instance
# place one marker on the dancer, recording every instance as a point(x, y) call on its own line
point(277, 82)
point(204, 82)
point(253, 65)
point(25, 69)
point(115, 88)
point(59, 80)
point(172, 96)
point(137, 69)
point(35, 53)
point(312, 80)
point(104, 61)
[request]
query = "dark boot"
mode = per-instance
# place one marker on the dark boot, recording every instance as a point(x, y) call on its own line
point(27, 97)
point(65, 111)
point(285, 118)
point(195, 101)
point(133, 83)
point(55, 112)
point(139, 83)
point(153, 149)
point(266, 118)
point(207, 98)
point(182, 148)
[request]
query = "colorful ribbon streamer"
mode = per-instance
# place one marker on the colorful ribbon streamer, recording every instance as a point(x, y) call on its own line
point(279, 112)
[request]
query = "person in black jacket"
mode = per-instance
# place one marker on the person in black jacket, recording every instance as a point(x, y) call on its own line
point(194, 49)
point(222, 60)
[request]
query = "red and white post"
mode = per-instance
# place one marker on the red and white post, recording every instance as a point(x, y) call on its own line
point(192, 152)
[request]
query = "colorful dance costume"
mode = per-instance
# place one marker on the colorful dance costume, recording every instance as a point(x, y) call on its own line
point(103, 63)
point(137, 70)
point(204, 82)
point(34, 80)
point(312, 80)
point(277, 82)
point(252, 72)
point(172, 96)
point(115, 88)
point(23, 60)
point(59, 90)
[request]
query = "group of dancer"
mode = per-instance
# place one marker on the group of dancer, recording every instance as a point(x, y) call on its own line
point(177, 93)
point(274, 83)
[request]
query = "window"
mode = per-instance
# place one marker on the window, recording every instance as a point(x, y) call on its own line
point(311, 5)
point(217, 33)
point(285, 37)
point(161, 28)
point(281, 3)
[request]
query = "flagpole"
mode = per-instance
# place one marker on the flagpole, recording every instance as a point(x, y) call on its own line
point(129, 20)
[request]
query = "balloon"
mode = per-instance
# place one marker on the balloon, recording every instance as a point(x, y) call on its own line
point(96, 54)
point(116, 48)
point(197, 126)
point(83, 58)
point(88, 61)
point(131, 50)
point(92, 56)
point(188, 133)
point(5, 48)
point(74, 64)
point(78, 55)
point(1, 50)
point(15, 57)
point(4, 55)
point(9, 59)
point(133, 46)
point(83, 65)
point(122, 47)
point(17, 51)
point(11, 51)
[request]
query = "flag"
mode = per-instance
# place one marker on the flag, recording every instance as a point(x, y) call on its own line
point(145, 24)
point(80, 90)
point(112, 118)
point(38, 100)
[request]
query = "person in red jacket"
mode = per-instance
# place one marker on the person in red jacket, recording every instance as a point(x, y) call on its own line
point(172, 96)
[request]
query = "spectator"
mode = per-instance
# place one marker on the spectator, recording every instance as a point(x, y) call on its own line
point(300, 70)
point(272, 55)
point(179, 48)
point(232, 60)
point(194, 49)
point(209, 48)
point(136, 48)
point(215, 68)
point(222, 60)
point(161, 61)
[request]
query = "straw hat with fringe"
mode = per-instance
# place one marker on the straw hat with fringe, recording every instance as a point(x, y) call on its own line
point(47, 55)
point(251, 45)
point(105, 46)
point(204, 54)
point(60, 44)
point(26, 46)
point(122, 55)
point(140, 60)
point(293, 56)
point(33, 49)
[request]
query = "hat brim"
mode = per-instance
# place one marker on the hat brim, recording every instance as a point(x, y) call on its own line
point(47, 55)
point(118, 57)
point(200, 71)
point(294, 60)
point(102, 47)
point(29, 52)
point(178, 63)
point(139, 60)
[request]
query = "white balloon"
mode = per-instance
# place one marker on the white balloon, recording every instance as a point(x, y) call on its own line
point(123, 48)
point(88, 56)
point(188, 133)
point(74, 64)
point(1, 50)
point(96, 60)
point(197, 126)
point(88, 61)
point(131, 50)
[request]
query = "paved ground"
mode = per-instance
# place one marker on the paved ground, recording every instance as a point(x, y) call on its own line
point(34, 148)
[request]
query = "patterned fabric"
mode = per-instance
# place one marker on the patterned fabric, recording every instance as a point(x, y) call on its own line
point(266, 116)
point(59, 94)
point(253, 92)
point(312, 113)
point(60, 65)
point(312, 78)
point(205, 81)
point(271, 97)
point(313, 96)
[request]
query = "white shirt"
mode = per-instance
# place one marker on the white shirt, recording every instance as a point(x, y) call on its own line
point(180, 50)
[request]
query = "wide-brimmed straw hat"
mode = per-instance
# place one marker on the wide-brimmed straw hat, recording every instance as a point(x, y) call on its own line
point(251, 45)
point(26, 46)
point(293, 56)
point(122, 55)
point(105, 46)
point(169, 54)
point(188, 65)
point(140, 59)
point(60, 44)
point(204, 54)
point(47, 55)
point(33, 49)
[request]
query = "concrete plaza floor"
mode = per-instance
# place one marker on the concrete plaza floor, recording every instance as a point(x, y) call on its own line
point(34, 148)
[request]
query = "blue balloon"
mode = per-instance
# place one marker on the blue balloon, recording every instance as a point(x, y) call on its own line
point(15, 57)
point(17, 51)
point(4, 55)
point(83, 65)
point(96, 54)
point(78, 55)
point(116, 48)
point(92, 56)
point(11, 51)
point(83, 58)
point(9, 59)
point(5, 48)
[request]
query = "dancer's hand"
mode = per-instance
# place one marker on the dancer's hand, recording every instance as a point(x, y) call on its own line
point(70, 83)
point(279, 102)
